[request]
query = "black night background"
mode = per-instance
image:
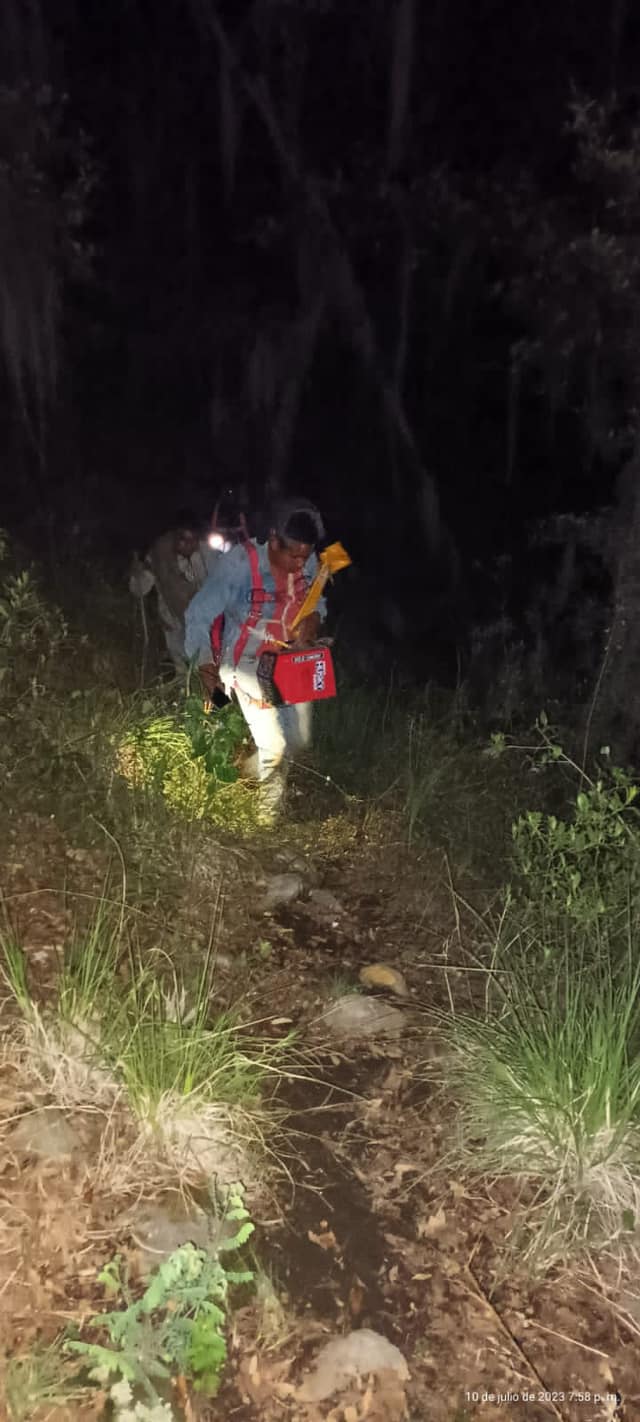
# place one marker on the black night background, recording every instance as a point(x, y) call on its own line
point(382, 255)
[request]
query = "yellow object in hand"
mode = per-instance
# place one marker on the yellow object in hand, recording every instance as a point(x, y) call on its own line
point(331, 560)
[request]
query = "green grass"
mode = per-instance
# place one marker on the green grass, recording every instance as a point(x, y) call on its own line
point(13, 970)
point(549, 1086)
point(187, 1082)
point(419, 759)
point(37, 1382)
point(87, 981)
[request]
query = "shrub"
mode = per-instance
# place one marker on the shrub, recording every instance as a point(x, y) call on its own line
point(32, 632)
point(190, 758)
point(178, 1325)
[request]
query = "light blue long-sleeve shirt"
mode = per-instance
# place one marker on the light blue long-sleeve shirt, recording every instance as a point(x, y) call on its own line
point(228, 590)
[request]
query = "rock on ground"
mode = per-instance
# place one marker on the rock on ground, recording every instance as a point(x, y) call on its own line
point(45, 1132)
point(354, 1356)
point(161, 1226)
point(326, 903)
point(282, 889)
point(380, 975)
point(358, 1016)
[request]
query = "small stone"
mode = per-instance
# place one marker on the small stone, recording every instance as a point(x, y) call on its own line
point(358, 1016)
point(160, 1228)
point(355, 1356)
point(380, 975)
point(282, 889)
point(295, 862)
point(46, 1133)
point(326, 903)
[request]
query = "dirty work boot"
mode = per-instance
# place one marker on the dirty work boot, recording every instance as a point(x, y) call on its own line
point(270, 797)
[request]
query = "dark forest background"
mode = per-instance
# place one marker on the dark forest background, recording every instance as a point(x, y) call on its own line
point(383, 254)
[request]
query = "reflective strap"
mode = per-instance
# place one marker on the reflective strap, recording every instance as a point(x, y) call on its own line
point(257, 601)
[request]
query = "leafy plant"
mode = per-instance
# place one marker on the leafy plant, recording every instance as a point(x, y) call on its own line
point(178, 1325)
point(585, 865)
point(189, 757)
point(215, 737)
point(32, 631)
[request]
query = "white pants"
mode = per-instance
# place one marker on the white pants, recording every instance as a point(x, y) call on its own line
point(279, 733)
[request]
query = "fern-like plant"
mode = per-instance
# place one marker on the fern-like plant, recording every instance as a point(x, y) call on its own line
point(178, 1325)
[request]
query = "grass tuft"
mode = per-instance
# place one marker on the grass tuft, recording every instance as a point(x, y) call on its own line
point(41, 1379)
point(549, 1085)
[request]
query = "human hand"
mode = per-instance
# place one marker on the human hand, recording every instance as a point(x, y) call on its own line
point(306, 632)
point(210, 678)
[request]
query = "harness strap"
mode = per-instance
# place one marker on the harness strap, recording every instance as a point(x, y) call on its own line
point(216, 635)
point(258, 598)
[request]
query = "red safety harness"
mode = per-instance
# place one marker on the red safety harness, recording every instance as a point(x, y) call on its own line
point(258, 599)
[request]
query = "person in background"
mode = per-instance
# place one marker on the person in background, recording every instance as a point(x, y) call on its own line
point(176, 565)
point(253, 594)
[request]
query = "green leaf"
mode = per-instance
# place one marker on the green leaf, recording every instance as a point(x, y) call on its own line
point(227, 1246)
point(207, 1355)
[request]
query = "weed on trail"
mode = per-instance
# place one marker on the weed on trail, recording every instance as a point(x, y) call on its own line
point(178, 1325)
point(153, 1342)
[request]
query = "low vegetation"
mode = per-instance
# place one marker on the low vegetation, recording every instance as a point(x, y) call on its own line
point(175, 1329)
point(542, 1054)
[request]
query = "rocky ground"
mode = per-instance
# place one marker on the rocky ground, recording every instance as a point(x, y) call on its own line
point(385, 1295)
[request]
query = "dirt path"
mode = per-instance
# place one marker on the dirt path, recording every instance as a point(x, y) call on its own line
point(366, 1229)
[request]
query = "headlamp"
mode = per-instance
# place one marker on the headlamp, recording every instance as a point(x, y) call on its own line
point(219, 542)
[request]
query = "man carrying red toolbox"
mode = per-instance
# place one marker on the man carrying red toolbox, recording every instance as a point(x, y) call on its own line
point(254, 628)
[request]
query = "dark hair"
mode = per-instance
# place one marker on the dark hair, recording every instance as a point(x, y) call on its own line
point(187, 519)
point(301, 528)
point(298, 520)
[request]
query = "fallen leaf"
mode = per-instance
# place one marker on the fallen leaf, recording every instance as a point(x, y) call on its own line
point(326, 1240)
